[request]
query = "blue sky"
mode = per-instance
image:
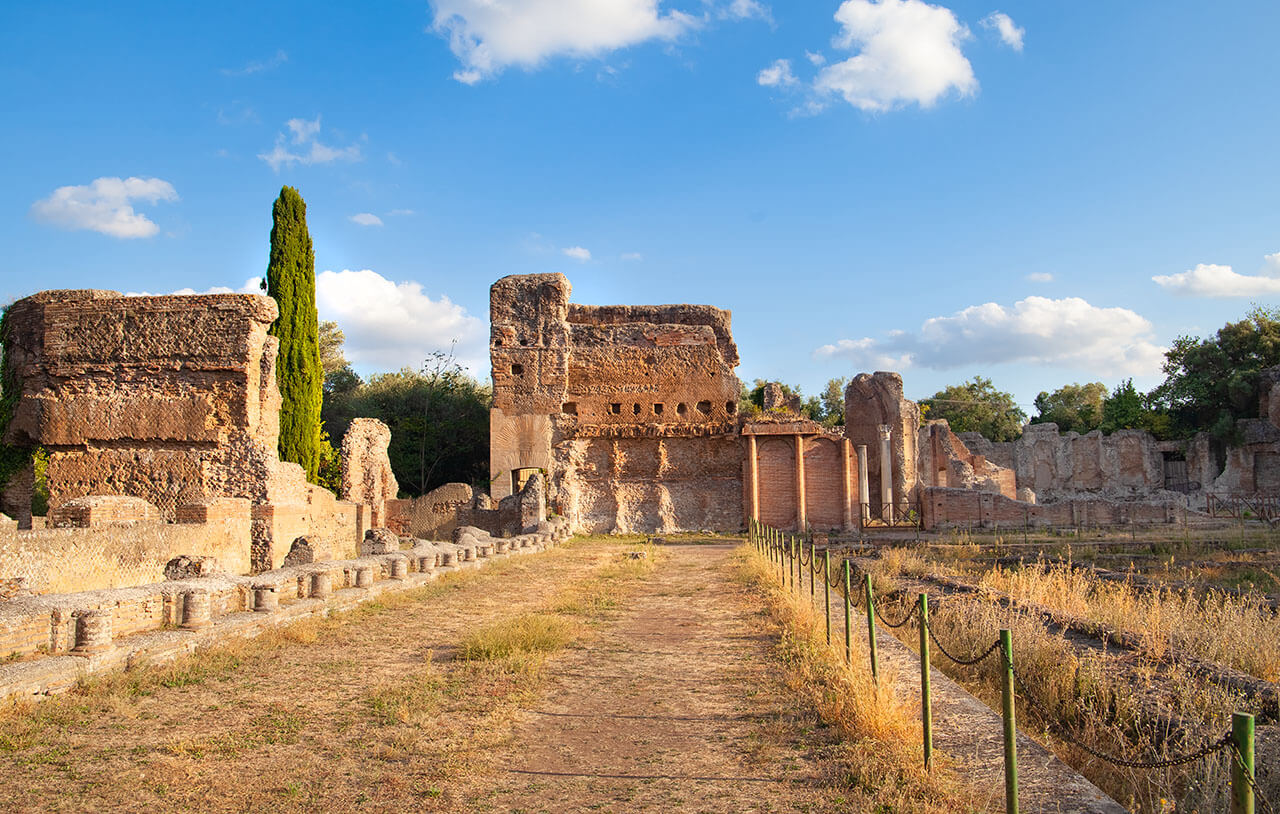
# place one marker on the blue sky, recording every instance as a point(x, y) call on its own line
point(1036, 192)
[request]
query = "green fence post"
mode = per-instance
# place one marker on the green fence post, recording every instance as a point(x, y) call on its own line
point(1242, 763)
point(848, 597)
point(1010, 725)
point(813, 567)
point(871, 628)
point(826, 590)
point(926, 707)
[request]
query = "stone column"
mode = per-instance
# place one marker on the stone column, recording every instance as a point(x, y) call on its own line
point(846, 494)
point(321, 585)
point(399, 568)
point(93, 631)
point(802, 520)
point(886, 473)
point(266, 598)
point(864, 487)
point(364, 576)
point(197, 609)
point(755, 478)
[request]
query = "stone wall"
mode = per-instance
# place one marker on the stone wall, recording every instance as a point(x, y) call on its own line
point(873, 403)
point(804, 476)
point(366, 469)
point(946, 461)
point(629, 410)
point(169, 399)
point(96, 546)
point(965, 508)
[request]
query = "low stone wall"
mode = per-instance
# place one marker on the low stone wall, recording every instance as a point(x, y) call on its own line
point(51, 641)
point(964, 508)
point(109, 549)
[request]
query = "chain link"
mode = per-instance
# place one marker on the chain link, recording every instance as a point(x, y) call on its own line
point(911, 613)
point(1051, 719)
point(1249, 778)
point(966, 662)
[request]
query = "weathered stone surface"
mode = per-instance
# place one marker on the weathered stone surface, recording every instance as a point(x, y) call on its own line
point(946, 461)
point(379, 541)
point(185, 567)
point(436, 514)
point(629, 410)
point(872, 401)
point(99, 511)
point(303, 551)
point(366, 470)
point(169, 399)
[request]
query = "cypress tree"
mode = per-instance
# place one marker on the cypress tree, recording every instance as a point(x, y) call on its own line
point(291, 282)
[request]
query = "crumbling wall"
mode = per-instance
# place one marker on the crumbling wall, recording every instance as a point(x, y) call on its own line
point(946, 461)
point(873, 401)
point(114, 542)
point(630, 410)
point(964, 508)
point(435, 515)
point(366, 469)
point(169, 399)
point(1125, 463)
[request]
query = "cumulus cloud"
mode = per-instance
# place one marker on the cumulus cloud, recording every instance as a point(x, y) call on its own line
point(577, 253)
point(1068, 332)
point(815, 58)
point(746, 10)
point(366, 219)
point(488, 36)
point(253, 285)
point(907, 51)
point(105, 206)
point(1040, 277)
point(777, 74)
point(303, 146)
point(1010, 33)
point(258, 66)
point(390, 325)
point(1210, 280)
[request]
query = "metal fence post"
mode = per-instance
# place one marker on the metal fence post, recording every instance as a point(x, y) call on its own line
point(871, 628)
point(1242, 772)
point(826, 590)
point(813, 567)
point(1010, 725)
point(926, 707)
point(848, 598)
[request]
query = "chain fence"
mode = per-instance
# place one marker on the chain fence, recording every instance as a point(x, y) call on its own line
point(770, 541)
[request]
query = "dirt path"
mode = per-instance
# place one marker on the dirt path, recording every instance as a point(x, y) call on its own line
point(675, 704)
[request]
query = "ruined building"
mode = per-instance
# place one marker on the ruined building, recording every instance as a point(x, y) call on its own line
point(631, 411)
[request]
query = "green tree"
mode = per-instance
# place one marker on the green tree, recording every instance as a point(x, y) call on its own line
point(1124, 409)
point(1212, 383)
point(439, 420)
point(1073, 407)
point(291, 282)
point(977, 406)
point(833, 402)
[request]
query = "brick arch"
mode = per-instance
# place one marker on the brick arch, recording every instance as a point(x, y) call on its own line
point(777, 462)
point(824, 497)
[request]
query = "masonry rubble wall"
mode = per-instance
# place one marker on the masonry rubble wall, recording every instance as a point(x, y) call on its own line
point(946, 461)
point(162, 620)
point(873, 401)
point(169, 399)
point(367, 477)
point(629, 410)
point(965, 508)
point(95, 545)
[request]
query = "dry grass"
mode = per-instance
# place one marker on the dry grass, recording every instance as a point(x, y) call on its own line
point(880, 731)
point(1241, 632)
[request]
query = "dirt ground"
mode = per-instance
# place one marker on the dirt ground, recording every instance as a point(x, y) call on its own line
point(670, 699)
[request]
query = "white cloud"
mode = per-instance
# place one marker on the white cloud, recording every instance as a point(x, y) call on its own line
point(777, 74)
point(747, 10)
point(305, 147)
point(1067, 332)
point(577, 253)
point(396, 213)
point(258, 66)
point(1009, 31)
point(815, 58)
point(488, 36)
point(632, 256)
point(105, 206)
point(366, 219)
point(1040, 277)
point(391, 325)
point(907, 51)
point(1210, 280)
point(253, 285)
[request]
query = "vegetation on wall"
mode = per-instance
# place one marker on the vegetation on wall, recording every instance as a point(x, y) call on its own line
point(291, 282)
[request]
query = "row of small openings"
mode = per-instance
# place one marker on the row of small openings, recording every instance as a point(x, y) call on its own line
point(615, 408)
point(524, 343)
